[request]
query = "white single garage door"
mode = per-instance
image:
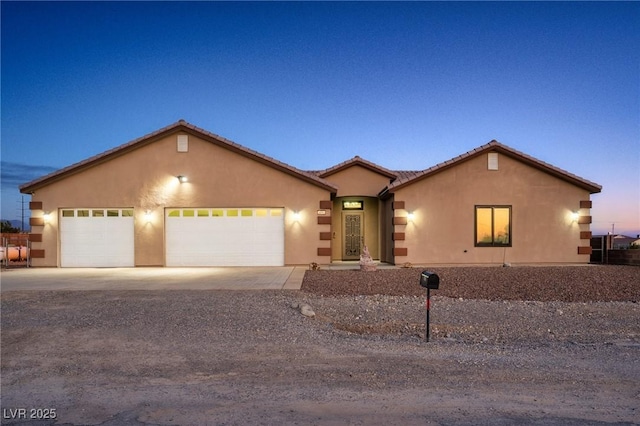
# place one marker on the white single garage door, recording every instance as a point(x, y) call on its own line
point(225, 237)
point(96, 237)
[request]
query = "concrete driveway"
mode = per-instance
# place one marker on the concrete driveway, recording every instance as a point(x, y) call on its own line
point(228, 278)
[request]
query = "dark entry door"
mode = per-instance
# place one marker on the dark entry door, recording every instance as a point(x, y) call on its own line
point(352, 226)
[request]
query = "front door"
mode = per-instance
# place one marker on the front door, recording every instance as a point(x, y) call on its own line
point(352, 226)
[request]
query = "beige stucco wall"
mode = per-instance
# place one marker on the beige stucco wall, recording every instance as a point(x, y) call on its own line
point(358, 180)
point(145, 179)
point(442, 231)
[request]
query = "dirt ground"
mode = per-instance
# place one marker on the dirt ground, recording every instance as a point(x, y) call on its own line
point(249, 357)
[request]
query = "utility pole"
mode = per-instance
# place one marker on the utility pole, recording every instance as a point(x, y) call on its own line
point(22, 217)
point(22, 210)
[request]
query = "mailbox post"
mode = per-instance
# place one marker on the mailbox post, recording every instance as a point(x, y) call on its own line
point(429, 280)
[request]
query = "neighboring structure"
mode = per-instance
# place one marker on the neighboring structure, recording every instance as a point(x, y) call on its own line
point(624, 242)
point(615, 249)
point(184, 196)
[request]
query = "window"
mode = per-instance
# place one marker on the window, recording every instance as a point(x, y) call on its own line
point(493, 226)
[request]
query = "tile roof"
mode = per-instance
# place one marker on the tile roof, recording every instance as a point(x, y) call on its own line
point(360, 162)
point(399, 178)
point(494, 146)
point(180, 125)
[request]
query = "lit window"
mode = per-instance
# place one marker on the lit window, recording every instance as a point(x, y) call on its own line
point(232, 213)
point(127, 213)
point(68, 213)
point(188, 213)
point(97, 213)
point(247, 213)
point(113, 213)
point(203, 213)
point(83, 213)
point(216, 213)
point(174, 213)
point(493, 226)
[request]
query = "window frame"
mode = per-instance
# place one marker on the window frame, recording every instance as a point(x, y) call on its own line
point(475, 225)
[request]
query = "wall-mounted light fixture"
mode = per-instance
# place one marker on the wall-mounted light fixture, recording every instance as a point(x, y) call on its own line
point(148, 216)
point(47, 217)
point(182, 178)
point(410, 216)
point(296, 216)
point(575, 216)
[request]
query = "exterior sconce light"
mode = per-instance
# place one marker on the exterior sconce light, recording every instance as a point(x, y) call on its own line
point(575, 216)
point(148, 216)
point(47, 217)
point(296, 216)
point(410, 216)
point(182, 178)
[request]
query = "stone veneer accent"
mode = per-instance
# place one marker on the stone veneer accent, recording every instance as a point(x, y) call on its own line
point(400, 220)
point(36, 221)
point(584, 250)
point(324, 251)
point(397, 205)
point(400, 251)
point(36, 253)
point(324, 220)
point(584, 220)
point(35, 238)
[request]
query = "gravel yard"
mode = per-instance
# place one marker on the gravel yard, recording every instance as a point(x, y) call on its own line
point(533, 345)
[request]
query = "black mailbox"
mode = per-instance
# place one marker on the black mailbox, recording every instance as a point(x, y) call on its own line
point(429, 280)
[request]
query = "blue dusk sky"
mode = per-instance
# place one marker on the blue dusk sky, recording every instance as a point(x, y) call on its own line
point(404, 85)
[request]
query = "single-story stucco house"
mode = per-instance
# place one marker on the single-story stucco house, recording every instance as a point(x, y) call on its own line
point(182, 196)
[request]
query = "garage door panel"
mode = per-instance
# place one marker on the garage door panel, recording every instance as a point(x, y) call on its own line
point(226, 237)
point(96, 241)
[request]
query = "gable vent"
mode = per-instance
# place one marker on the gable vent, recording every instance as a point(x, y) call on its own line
point(492, 161)
point(183, 143)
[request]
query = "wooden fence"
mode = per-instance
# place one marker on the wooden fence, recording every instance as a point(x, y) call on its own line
point(14, 239)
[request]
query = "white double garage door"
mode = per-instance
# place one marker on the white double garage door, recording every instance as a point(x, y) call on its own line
point(193, 237)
